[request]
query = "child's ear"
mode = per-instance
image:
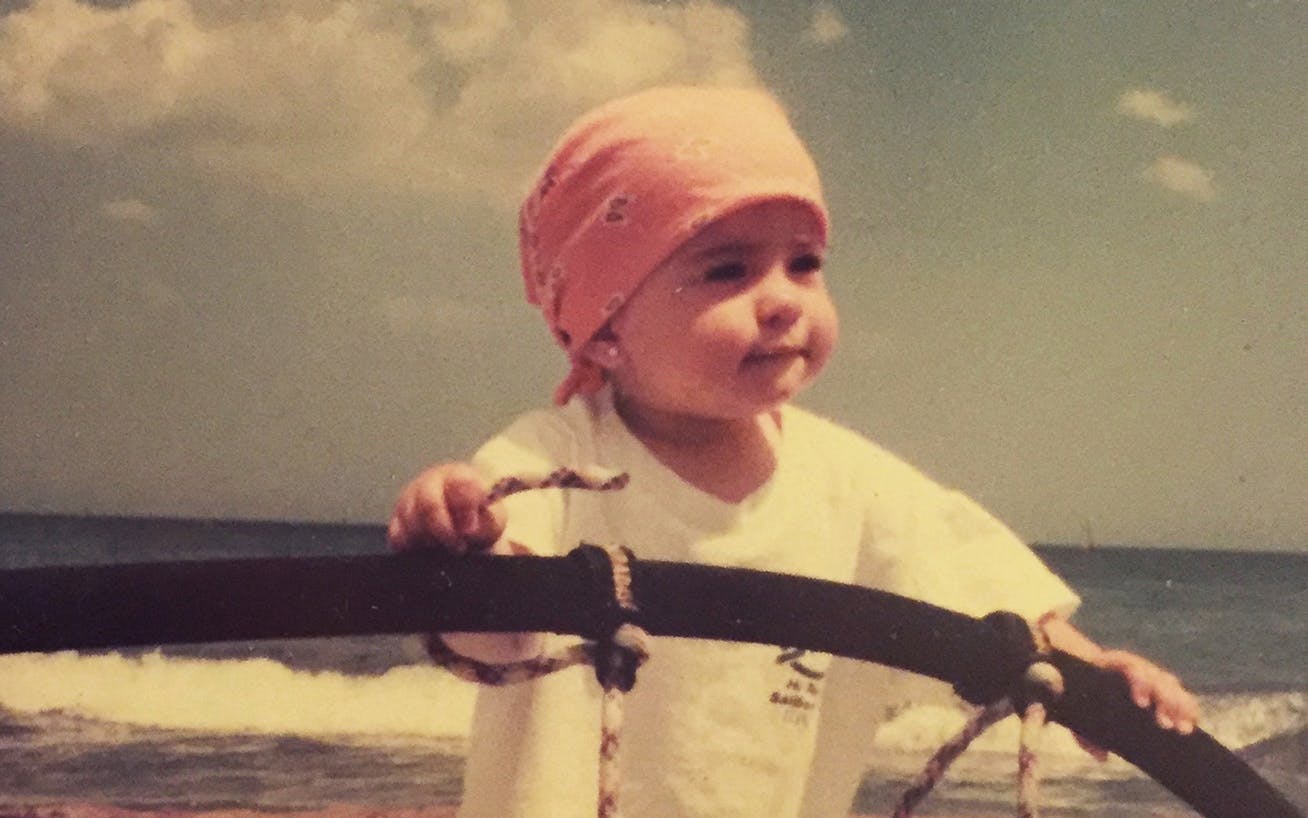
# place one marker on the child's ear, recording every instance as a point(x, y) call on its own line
point(602, 350)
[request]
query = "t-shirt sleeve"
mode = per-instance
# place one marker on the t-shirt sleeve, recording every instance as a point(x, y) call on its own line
point(936, 544)
point(970, 562)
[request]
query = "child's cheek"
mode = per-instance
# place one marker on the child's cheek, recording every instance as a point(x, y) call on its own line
point(833, 332)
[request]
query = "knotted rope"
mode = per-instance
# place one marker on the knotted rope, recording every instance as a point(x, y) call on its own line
point(616, 654)
point(1041, 684)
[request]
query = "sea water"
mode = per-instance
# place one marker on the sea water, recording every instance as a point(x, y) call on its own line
point(306, 724)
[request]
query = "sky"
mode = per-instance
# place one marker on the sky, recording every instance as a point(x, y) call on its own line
point(257, 260)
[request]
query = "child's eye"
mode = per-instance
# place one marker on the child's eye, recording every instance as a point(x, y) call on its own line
point(807, 263)
point(731, 271)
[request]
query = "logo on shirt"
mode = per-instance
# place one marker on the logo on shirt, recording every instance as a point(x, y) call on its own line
point(802, 688)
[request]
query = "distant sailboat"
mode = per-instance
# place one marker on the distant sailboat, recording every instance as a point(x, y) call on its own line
point(1087, 536)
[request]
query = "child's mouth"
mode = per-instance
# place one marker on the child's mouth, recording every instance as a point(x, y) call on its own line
point(780, 354)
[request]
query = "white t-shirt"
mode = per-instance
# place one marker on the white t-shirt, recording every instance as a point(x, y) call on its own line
point(719, 730)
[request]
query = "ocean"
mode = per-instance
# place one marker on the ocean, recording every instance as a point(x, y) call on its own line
point(312, 724)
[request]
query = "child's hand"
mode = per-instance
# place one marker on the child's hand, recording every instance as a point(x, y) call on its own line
point(445, 507)
point(1175, 708)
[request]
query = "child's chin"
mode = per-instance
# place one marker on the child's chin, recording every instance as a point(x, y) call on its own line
point(786, 385)
point(779, 394)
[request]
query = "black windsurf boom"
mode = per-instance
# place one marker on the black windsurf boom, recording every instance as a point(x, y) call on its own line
point(86, 607)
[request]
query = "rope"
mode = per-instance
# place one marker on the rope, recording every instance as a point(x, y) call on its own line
point(934, 770)
point(615, 656)
point(1042, 683)
point(628, 641)
point(589, 479)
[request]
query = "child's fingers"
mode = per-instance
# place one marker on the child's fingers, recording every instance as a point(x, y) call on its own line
point(491, 522)
point(1134, 670)
point(1139, 673)
point(461, 503)
point(473, 521)
point(1141, 686)
point(421, 518)
point(423, 521)
point(1175, 708)
point(395, 534)
point(404, 532)
point(436, 522)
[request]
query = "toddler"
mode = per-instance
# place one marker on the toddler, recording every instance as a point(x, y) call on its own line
point(674, 243)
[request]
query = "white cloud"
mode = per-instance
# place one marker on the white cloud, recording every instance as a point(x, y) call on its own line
point(1182, 176)
point(129, 210)
point(1153, 106)
point(827, 26)
point(321, 97)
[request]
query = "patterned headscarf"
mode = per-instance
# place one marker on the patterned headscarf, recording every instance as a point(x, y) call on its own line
point(630, 182)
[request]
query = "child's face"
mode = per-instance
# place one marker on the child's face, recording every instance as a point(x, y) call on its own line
point(737, 321)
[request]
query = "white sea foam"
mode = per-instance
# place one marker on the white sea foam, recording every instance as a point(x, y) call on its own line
point(1242, 719)
point(1237, 721)
point(236, 696)
point(262, 696)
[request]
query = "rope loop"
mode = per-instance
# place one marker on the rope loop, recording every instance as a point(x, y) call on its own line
point(617, 659)
point(1042, 683)
point(615, 646)
point(1010, 649)
point(619, 648)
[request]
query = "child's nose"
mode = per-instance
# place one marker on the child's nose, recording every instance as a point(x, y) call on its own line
point(778, 303)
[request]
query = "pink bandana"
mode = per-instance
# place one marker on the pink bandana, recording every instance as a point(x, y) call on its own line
point(630, 182)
